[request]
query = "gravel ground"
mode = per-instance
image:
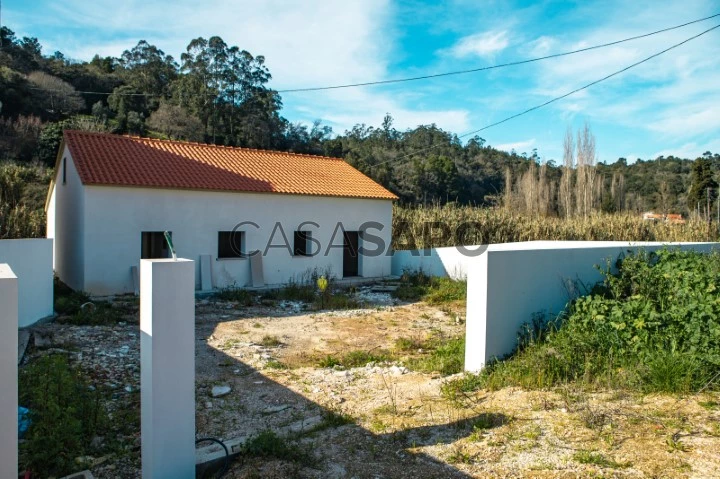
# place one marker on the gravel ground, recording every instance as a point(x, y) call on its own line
point(381, 419)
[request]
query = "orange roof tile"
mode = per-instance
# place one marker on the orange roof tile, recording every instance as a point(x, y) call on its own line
point(105, 159)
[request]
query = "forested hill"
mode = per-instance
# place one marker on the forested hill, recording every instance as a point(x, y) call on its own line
point(217, 93)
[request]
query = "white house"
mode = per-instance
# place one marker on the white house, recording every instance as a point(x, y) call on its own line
point(248, 217)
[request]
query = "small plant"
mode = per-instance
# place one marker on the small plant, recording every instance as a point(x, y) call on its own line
point(459, 455)
point(675, 444)
point(271, 341)
point(329, 361)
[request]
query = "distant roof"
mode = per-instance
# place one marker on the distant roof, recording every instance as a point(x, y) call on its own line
point(115, 160)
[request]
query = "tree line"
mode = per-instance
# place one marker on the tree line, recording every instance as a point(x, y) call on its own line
point(219, 93)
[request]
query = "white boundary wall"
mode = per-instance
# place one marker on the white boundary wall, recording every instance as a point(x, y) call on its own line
point(510, 282)
point(32, 261)
point(448, 261)
point(8, 372)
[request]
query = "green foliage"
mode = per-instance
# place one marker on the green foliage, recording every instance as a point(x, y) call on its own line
point(653, 325)
point(65, 412)
point(434, 290)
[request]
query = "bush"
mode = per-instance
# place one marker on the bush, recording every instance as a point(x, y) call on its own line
point(654, 325)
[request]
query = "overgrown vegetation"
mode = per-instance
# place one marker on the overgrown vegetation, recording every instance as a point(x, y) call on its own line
point(66, 413)
point(653, 325)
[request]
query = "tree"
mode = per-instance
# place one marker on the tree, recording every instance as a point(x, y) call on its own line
point(54, 97)
point(566, 191)
point(702, 179)
point(176, 123)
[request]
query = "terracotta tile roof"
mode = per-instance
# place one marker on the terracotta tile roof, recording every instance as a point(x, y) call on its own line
point(105, 159)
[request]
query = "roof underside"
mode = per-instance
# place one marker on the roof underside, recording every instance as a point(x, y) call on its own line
point(113, 160)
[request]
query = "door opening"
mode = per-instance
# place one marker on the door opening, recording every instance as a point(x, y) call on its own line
point(350, 254)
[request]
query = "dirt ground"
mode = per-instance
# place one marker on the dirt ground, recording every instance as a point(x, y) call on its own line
point(383, 420)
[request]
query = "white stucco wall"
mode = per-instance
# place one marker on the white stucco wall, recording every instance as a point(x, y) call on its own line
point(449, 261)
point(65, 223)
point(116, 216)
point(510, 282)
point(31, 261)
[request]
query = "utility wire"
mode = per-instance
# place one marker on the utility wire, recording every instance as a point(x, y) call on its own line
point(536, 107)
point(501, 65)
point(436, 75)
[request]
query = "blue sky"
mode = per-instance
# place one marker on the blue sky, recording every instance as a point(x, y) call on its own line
point(670, 105)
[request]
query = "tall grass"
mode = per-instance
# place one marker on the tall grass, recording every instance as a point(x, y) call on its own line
point(498, 225)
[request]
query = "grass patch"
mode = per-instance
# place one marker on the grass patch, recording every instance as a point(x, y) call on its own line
point(419, 286)
point(597, 459)
point(446, 356)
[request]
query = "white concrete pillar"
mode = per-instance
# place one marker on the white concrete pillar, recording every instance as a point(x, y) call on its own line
point(475, 313)
point(167, 375)
point(8, 372)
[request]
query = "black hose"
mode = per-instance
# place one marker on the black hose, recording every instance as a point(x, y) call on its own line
point(226, 466)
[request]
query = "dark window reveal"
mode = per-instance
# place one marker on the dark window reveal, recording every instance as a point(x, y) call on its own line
point(230, 244)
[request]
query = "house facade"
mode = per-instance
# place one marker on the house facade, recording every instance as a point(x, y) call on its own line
point(247, 217)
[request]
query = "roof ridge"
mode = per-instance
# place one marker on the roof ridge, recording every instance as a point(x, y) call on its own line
point(209, 145)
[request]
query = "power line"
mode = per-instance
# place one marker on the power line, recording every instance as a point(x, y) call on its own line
point(501, 65)
point(437, 75)
point(537, 107)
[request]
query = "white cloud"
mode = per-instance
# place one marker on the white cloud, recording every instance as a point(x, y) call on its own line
point(518, 146)
point(484, 44)
point(305, 44)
